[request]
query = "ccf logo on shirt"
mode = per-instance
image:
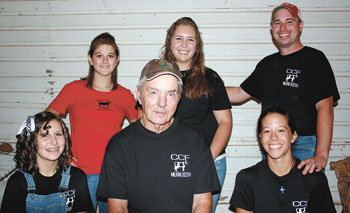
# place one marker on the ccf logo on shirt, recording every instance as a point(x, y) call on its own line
point(180, 162)
point(300, 206)
point(291, 76)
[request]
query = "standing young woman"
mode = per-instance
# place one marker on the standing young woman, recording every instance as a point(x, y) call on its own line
point(276, 184)
point(204, 102)
point(97, 106)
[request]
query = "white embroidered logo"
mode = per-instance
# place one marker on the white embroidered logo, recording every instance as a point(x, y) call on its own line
point(300, 206)
point(70, 197)
point(291, 75)
point(181, 161)
point(179, 165)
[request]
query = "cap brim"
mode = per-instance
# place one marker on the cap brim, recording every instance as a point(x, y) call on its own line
point(163, 73)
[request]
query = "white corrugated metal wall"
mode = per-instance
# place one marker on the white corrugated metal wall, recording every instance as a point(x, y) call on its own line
point(44, 44)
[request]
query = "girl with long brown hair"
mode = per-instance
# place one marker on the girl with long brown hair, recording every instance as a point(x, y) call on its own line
point(97, 106)
point(44, 180)
point(204, 103)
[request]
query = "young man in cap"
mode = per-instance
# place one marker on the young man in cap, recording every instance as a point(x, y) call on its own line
point(158, 164)
point(300, 79)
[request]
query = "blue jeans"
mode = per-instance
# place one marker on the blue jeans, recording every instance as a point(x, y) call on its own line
point(304, 147)
point(220, 166)
point(92, 181)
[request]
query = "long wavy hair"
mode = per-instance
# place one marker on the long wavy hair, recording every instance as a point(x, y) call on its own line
point(104, 38)
point(26, 147)
point(197, 84)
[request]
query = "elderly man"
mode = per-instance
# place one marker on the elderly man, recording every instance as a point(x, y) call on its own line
point(158, 164)
point(299, 79)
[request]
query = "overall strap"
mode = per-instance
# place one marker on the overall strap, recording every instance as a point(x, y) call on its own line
point(65, 179)
point(30, 181)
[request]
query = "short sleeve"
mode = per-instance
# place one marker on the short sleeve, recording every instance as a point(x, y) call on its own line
point(324, 84)
point(320, 199)
point(82, 200)
point(251, 85)
point(243, 196)
point(219, 99)
point(131, 111)
point(63, 99)
point(206, 178)
point(112, 182)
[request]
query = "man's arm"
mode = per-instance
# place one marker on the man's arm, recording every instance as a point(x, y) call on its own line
point(117, 205)
point(237, 95)
point(325, 115)
point(202, 203)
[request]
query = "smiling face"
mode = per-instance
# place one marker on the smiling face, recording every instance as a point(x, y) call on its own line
point(104, 60)
point(50, 143)
point(183, 45)
point(286, 30)
point(276, 136)
point(159, 98)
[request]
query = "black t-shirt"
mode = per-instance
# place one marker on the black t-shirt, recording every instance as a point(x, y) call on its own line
point(157, 172)
point(258, 189)
point(14, 199)
point(295, 82)
point(198, 112)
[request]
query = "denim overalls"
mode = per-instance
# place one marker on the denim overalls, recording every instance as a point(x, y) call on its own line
point(47, 203)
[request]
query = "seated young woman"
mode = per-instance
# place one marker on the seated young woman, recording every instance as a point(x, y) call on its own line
point(45, 181)
point(276, 184)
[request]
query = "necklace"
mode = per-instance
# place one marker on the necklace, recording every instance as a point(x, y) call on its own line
point(290, 169)
point(282, 189)
point(183, 73)
point(292, 165)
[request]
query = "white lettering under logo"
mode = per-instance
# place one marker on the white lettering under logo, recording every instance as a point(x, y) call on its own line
point(180, 163)
point(292, 74)
point(300, 206)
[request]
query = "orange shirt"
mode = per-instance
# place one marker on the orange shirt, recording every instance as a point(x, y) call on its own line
point(94, 118)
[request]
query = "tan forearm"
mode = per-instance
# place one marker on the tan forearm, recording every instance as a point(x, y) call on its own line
point(117, 206)
point(237, 95)
point(223, 132)
point(325, 116)
point(324, 128)
point(202, 203)
point(220, 140)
